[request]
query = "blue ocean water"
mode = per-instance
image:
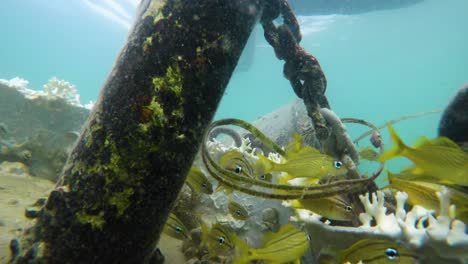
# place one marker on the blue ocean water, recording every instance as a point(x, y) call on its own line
point(379, 65)
point(67, 39)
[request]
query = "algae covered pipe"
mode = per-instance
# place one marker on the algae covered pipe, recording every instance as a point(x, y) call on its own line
point(130, 162)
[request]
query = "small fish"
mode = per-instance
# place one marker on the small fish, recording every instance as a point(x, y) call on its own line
point(440, 158)
point(175, 228)
point(419, 192)
point(287, 245)
point(374, 251)
point(310, 164)
point(220, 239)
point(237, 211)
point(334, 207)
point(369, 153)
point(236, 162)
point(198, 182)
point(303, 161)
point(424, 193)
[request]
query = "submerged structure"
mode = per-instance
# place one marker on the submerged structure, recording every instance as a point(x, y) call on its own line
point(149, 162)
point(164, 89)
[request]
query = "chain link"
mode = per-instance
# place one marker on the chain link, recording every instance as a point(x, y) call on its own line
point(301, 69)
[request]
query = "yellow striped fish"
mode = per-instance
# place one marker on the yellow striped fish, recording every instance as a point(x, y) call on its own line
point(440, 158)
point(334, 207)
point(197, 181)
point(220, 239)
point(236, 162)
point(303, 161)
point(424, 193)
point(287, 245)
point(374, 251)
point(237, 211)
point(175, 228)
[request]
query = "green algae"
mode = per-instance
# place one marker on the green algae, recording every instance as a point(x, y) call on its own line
point(172, 81)
point(96, 221)
point(147, 43)
point(115, 172)
point(89, 137)
point(121, 200)
point(155, 10)
point(159, 118)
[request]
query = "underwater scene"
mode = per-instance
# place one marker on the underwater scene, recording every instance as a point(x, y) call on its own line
point(234, 131)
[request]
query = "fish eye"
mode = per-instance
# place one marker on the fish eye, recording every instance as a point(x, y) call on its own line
point(221, 240)
point(392, 254)
point(238, 169)
point(238, 213)
point(178, 230)
point(348, 208)
point(204, 185)
point(338, 164)
point(263, 177)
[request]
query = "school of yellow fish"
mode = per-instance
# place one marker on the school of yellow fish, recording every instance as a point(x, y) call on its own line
point(436, 163)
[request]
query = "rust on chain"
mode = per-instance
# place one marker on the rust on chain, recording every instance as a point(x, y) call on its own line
point(301, 68)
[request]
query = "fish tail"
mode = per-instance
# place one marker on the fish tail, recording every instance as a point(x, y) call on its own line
point(397, 149)
point(244, 253)
point(264, 165)
point(296, 204)
point(284, 179)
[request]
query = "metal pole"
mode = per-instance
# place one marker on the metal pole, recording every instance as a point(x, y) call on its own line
point(124, 174)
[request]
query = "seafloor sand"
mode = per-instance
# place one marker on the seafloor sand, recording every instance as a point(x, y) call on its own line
point(18, 190)
point(171, 249)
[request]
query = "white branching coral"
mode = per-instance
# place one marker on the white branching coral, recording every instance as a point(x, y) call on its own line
point(17, 83)
point(217, 149)
point(53, 90)
point(375, 209)
point(439, 236)
point(57, 88)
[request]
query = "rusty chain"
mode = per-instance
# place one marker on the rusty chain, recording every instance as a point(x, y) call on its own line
point(301, 69)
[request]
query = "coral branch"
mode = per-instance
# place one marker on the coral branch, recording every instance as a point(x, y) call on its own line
point(437, 239)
